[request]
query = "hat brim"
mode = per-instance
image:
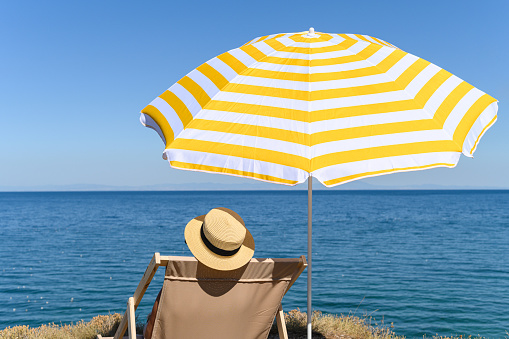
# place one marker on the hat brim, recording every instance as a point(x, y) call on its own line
point(211, 259)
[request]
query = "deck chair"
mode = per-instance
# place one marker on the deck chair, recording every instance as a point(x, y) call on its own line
point(199, 302)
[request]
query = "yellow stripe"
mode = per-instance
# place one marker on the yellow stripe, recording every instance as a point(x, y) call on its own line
point(278, 46)
point(192, 87)
point(161, 121)
point(178, 106)
point(362, 55)
point(382, 67)
point(266, 111)
point(382, 152)
point(451, 101)
point(418, 103)
point(286, 61)
point(210, 72)
point(386, 64)
point(333, 113)
point(213, 169)
point(373, 130)
point(253, 52)
point(381, 42)
point(363, 38)
point(267, 91)
point(233, 62)
point(251, 130)
point(399, 84)
point(482, 133)
point(299, 38)
point(433, 123)
point(376, 173)
point(355, 132)
point(470, 117)
point(246, 152)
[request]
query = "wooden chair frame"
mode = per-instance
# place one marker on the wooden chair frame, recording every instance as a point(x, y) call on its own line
point(129, 322)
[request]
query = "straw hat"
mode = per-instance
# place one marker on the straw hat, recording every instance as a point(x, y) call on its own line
point(220, 239)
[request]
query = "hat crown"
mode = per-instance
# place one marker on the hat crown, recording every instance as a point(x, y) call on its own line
point(224, 229)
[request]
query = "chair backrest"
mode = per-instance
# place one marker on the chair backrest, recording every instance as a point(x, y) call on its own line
point(199, 302)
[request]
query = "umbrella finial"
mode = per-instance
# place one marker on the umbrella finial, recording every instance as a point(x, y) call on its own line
point(311, 31)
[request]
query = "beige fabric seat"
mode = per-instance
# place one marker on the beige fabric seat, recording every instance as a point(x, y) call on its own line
point(198, 302)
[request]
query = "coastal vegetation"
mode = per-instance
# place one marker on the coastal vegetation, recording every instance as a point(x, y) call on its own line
point(326, 326)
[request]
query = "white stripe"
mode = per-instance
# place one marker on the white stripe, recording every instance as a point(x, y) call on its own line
point(336, 39)
point(274, 35)
point(255, 40)
point(187, 98)
point(147, 121)
point(222, 68)
point(377, 141)
point(264, 48)
point(380, 164)
point(316, 150)
point(314, 127)
point(392, 74)
point(422, 79)
point(290, 55)
point(236, 163)
point(243, 57)
point(254, 120)
point(272, 83)
point(262, 100)
point(477, 128)
point(373, 60)
point(353, 36)
point(354, 49)
point(390, 117)
point(368, 120)
point(452, 121)
point(409, 93)
point(170, 115)
point(438, 97)
point(371, 39)
point(324, 55)
point(247, 140)
point(205, 83)
point(311, 44)
point(317, 126)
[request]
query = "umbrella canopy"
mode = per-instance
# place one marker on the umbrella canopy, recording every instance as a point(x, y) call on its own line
point(338, 107)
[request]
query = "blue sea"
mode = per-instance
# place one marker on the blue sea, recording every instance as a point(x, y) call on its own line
point(429, 262)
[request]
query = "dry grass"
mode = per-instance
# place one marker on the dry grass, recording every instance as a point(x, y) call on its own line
point(330, 326)
point(105, 325)
point(326, 326)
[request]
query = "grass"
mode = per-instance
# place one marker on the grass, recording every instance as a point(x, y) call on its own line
point(105, 325)
point(326, 326)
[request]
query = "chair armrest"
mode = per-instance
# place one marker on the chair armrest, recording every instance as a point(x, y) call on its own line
point(281, 324)
point(131, 318)
point(138, 294)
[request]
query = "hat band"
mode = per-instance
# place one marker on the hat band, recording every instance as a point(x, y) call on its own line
point(215, 249)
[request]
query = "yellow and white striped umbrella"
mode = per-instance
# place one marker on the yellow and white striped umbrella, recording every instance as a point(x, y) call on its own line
point(339, 107)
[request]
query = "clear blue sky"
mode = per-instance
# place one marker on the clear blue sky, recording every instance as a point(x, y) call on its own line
point(74, 76)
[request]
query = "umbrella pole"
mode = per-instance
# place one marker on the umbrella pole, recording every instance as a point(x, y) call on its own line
point(310, 205)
